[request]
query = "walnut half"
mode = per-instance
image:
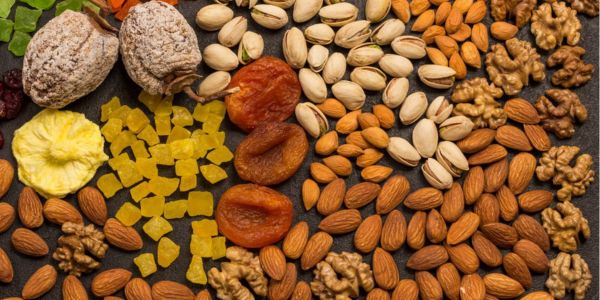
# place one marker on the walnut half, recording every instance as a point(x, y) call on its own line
point(550, 30)
point(568, 273)
point(564, 225)
point(574, 71)
point(555, 164)
point(484, 110)
point(353, 274)
point(559, 110)
point(521, 10)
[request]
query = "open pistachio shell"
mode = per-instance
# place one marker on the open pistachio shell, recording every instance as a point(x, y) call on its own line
point(251, 47)
point(269, 16)
point(387, 31)
point(436, 76)
point(403, 152)
point(377, 10)
point(213, 16)
point(214, 83)
point(220, 58)
point(304, 10)
point(439, 109)
point(339, 14)
point(425, 137)
point(335, 68)
point(312, 119)
point(364, 55)
point(231, 33)
point(451, 158)
point(294, 47)
point(317, 57)
point(313, 86)
point(436, 175)
point(455, 128)
point(319, 34)
point(396, 65)
point(409, 46)
point(413, 108)
point(369, 78)
point(349, 93)
point(353, 34)
point(395, 92)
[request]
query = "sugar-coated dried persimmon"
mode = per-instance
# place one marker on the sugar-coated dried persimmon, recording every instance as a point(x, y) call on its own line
point(269, 92)
point(271, 153)
point(254, 216)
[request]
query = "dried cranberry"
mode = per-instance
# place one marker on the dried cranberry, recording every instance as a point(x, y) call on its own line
point(13, 79)
point(2, 110)
point(1, 139)
point(2, 88)
point(13, 101)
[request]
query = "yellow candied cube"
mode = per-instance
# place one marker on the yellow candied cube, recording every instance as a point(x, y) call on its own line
point(119, 161)
point(163, 124)
point(128, 214)
point(139, 149)
point(109, 185)
point(182, 116)
point(149, 135)
point(201, 245)
point(147, 167)
point(212, 123)
point(121, 141)
point(162, 154)
point(145, 263)
point(205, 227)
point(219, 137)
point(213, 173)
point(218, 247)
point(129, 174)
point(137, 120)
point(165, 107)
point(167, 251)
point(139, 191)
point(186, 167)
point(178, 133)
point(152, 206)
point(157, 227)
point(195, 272)
point(220, 155)
point(208, 141)
point(199, 149)
point(111, 129)
point(200, 203)
point(162, 186)
point(175, 209)
point(188, 183)
point(202, 112)
point(150, 101)
point(182, 149)
point(108, 108)
point(120, 113)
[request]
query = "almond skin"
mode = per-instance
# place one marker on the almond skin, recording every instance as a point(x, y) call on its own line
point(406, 289)
point(331, 197)
point(449, 279)
point(321, 173)
point(509, 208)
point(40, 282)
point(167, 290)
point(442, 13)
point(302, 291)
point(393, 232)
point(310, 193)
point(392, 194)
point(283, 289)
point(488, 209)
point(463, 257)
point(376, 137)
point(487, 252)
point(7, 173)
point(476, 12)
point(503, 31)
point(429, 287)
point(454, 203)
point(463, 228)
point(332, 108)
point(7, 216)
point(29, 243)
point(349, 150)
point(513, 138)
point(342, 221)
point(538, 137)
point(472, 286)
point(477, 140)
point(361, 194)
point(316, 248)
point(415, 232)
point(203, 295)
point(479, 36)
point(423, 21)
point(295, 241)
point(386, 117)
point(272, 262)
point(139, 289)
point(424, 199)
point(535, 258)
point(515, 267)
point(121, 236)
point(538, 295)
point(435, 228)
point(520, 172)
point(92, 204)
point(385, 270)
point(401, 9)
point(327, 143)
point(502, 235)
point(520, 110)
point(368, 233)
point(110, 281)
point(6, 269)
point(376, 173)
point(427, 258)
point(30, 208)
point(530, 229)
point(378, 294)
point(366, 120)
point(502, 286)
point(495, 175)
point(73, 289)
point(535, 200)
point(490, 154)
point(340, 165)
point(60, 211)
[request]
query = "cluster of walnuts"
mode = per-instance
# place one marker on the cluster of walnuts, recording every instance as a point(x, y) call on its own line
point(79, 247)
point(484, 111)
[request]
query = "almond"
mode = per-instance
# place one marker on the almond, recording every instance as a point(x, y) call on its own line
point(7, 216)
point(435, 228)
point(462, 34)
point(385, 270)
point(436, 56)
point(366, 120)
point(463, 228)
point(515, 268)
point(386, 117)
point(302, 291)
point(406, 289)
point(73, 289)
point(458, 65)
point(502, 286)
point(462, 5)
point(446, 44)
point(503, 30)
point(316, 249)
point(490, 154)
point(376, 173)
point(7, 172)
point(429, 287)
point(488, 209)
point(538, 137)
point(427, 258)
point(476, 12)
point(349, 150)
point(538, 295)
point(139, 289)
point(348, 123)
point(283, 289)
point(110, 281)
point(28, 242)
point(340, 222)
point(6, 268)
point(361, 194)
point(423, 21)
point(392, 194)
point(332, 197)
point(463, 257)
point(424, 199)
point(477, 140)
point(60, 211)
point(449, 279)
point(520, 110)
point(203, 295)
point(92, 204)
point(310, 193)
point(472, 286)
point(272, 262)
point(509, 208)
point(401, 9)
point(512, 137)
point(533, 255)
point(332, 108)
point(470, 54)
point(535, 200)
point(415, 232)
point(529, 228)
point(321, 173)
point(368, 233)
point(479, 36)
point(393, 232)
point(520, 172)
point(30, 208)
point(417, 7)
point(495, 175)
point(356, 138)
point(340, 165)
point(442, 13)
point(430, 33)
point(327, 143)
point(474, 184)
point(40, 282)
point(487, 252)
point(376, 137)
point(369, 157)
point(121, 236)
point(378, 294)
point(453, 21)
point(295, 240)
point(502, 235)
point(454, 203)
point(167, 290)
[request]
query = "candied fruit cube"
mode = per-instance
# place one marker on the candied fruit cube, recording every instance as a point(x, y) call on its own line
point(163, 124)
point(111, 129)
point(186, 167)
point(182, 149)
point(128, 214)
point(212, 123)
point(219, 136)
point(200, 204)
point(108, 108)
point(162, 154)
point(199, 149)
point(198, 132)
point(139, 191)
point(147, 166)
point(129, 174)
point(162, 186)
point(213, 173)
point(157, 227)
point(149, 135)
point(109, 185)
point(205, 227)
point(175, 209)
point(195, 272)
point(188, 183)
point(178, 133)
point(202, 112)
point(182, 116)
point(165, 107)
point(145, 263)
point(152, 206)
point(168, 252)
point(139, 149)
point(220, 155)
point(201, 245)
point(120, 113)
point(122, 141)
point(137, 120)
point(218, 247)
point(209, 142)
point(150, 101)
point(116, 162)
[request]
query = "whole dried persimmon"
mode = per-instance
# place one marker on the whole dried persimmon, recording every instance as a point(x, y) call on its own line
point(269, 92)
point(271, 153)
point(254, 216)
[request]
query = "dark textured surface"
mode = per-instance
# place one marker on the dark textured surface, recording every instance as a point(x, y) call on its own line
point(119, 84)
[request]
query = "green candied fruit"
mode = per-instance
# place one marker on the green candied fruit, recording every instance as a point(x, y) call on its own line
point(182, 117)
point(182, 149)
point(128, 214)
point(200, 204)
point(111, 129)
point(162, 186)
point(157, 227)
point(195, 272)
point(40, 4)
point(19, 42)
point(145, 263)
point(26, 19)
point(139, 191)
point(74, 5)
point(121, 113)
point(150, 101)
point(139, 149)
point(149, 135)
point(178, 133)
point(168, 252)
point(205, 227)
point(186, 167)
point(199, 149)
point(162, 154)
point(201, 245)
point(121, 142)
point(203, 111)
point(5, 6)
point(163, 125)
point(116, 162)
point(188, 183)
point(220, 155)
point(165, 107)
point(213, 173)
point(129, 174)
point(109, 185)
point(152, 206)
point(108, 108)
point(218, 247)
point(175, 209)
point(147, 166)
point(6, 29)
point(212, 124)
point(137, 120)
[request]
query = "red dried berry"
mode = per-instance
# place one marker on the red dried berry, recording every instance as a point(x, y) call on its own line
point(1, 139)
point(14, 79)
point(13, 101)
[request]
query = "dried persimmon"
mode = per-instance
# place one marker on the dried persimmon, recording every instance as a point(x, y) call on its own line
point(254, 216)
point(271, 153)
point(269, 92)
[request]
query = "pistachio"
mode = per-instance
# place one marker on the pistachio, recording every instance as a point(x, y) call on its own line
point(413, 108)
point(396, 65)
point(269, 16)
point(312, 119)
point(425, 137)
point(377, 10)
point(409, 46)
point(317, 57)
point(364, 55)
point(403, 152)
point(353, 34)
point(232, 32)
point(294, 48)
point(451, 158)
point(439, 109)
point(369, 78)
point(395, 92)
point(246, 3)
point(335, 68)
point(313, 86)
point(436, 76)
point(220, 58)
point(387, 31)
point(214, 83)
point(338, 14)
point(251, 47)
point(285, 4)
point(455, 128)
point(304, 10)
point(319, 34)
point(436, 175)
point(349, 93)
point(213, 16)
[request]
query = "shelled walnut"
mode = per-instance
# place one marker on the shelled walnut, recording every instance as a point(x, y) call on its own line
point(242, 265)
point(550, 31)
point(76, 240)
point(558, 110)
point(574, 71)
point(555, 165)
point(354, 274)
point(568, 272)
point(521, 10)
point(588, 7)
point(564, 225)
point(512, 74)
point(484, 110)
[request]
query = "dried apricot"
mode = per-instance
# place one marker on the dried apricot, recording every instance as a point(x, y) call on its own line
point(254, 216)
point(269, 92)
point(271, 153)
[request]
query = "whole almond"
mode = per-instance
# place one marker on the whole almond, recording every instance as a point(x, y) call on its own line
point(473, 184)
point(495, 175)
point(462, 34)
point(302, 291)
point(332, 197)
point(28, 242)
point(367, 119)
point(538, 295)
point(515, 267)
point(477, 140)
point(470, 54)
point(535, 258)
point(167, 290)
point(327, 143)
point(453, 21)
point(376, 137)
point(376, 173)
point(512, 137)
point(7, 216)
point(535, 200)
point(348, 123)
point(393, 232)
point(272, 262)
point(502, 235)
point(423, 21)
point(538, 137)
point(310, 193)
point(436, 56)
point(110, 281)
point(361, 194)
point(7, 172)
point(449, 279)
point(529, 228)
point(487, 252)
point(40, 282)
point(463, 257)
point(463, 228)
point(316, 249)
point(93, 205)
point(476, 12)
point(349, 150)
point(462, 5)
point(479, 36)
point(520, 110)
point(446, 44)
point(509, 208)
point(386, 117)
point(427, 258)
point(369, 157)
point(6, 268)
point(415, 232)
point(332, 108)
point(203, 295)
point(340, 222)
point(430, 33)
point(401, 9)
point(442, 13)
point(73, 289)
point(283, 289)
point(458, 65)
point(472, 286)
point(356, 138)
point(321, 173)
point(454, 203)
point(368, 233)
point(520, 172)
point(503, 30)
point(385, 270)
point(502, 286)
point(424, 199)
point(488, 209)
point(417, 7)
point(30, 208)
point(60, 211)
point(435, 228)
point(490, 154)
point(139, 289)
point(121, 236)
point(295, 240)
point(406, 289)
point(429, 287)
point(392, 194)
point(378, 294)
point(340, 165)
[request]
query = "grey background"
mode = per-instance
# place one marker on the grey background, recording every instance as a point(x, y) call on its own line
point(119, 84)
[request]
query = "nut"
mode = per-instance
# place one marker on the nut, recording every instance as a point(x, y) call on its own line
point(311, 118)
point(295, 241)
point(367, 234)
point(364, 55)
point(396, 65)
point(338, 14)
point(403, 152)
point(439, 77)
point(213, 16)
point(269, 16)
point(313, 86)
point(387, 31)
point(232, 32)
point(369, 78)
point(220, 58)
point(40, 282)
point(335, 68)
point(377, 10)
point(306, 10)
point(294, 48)
point(340, 222)
point(503, 31)
point(395, 92)
point(349, 93)
point(413, 107)
point(425, 137)
point(317, 57)
point(409, 46)
point(319, 34)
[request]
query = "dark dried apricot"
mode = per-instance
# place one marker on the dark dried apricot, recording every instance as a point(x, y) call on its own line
point(254, 216)
point(269, 92)
point(271, 153)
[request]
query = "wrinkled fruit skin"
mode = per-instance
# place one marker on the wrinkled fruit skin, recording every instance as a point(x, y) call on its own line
point(254, 216)
point(67, 59)
point(269, 92)
point(11, 94)
point(271, 153)
point(158, 45)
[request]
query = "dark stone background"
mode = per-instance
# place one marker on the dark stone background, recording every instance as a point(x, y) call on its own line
point(119, 84)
